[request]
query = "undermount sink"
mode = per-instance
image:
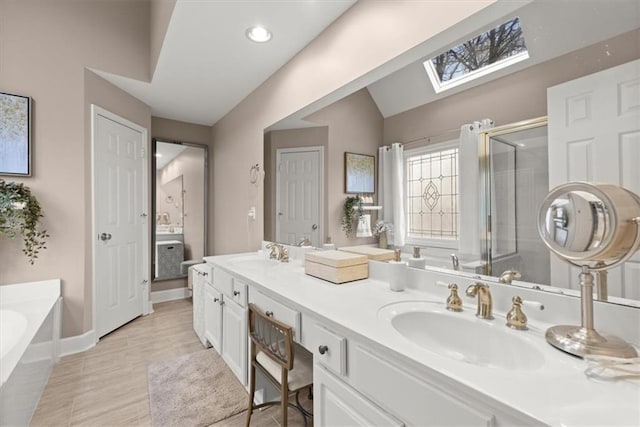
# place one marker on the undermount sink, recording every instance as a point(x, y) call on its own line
point(462, 336)
point(254, 260)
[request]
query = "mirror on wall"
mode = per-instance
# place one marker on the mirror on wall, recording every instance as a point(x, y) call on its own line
point(179, 207)
point(525, 162)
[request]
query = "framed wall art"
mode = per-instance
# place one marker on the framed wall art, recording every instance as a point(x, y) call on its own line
point(359, 173)
point(15, 135)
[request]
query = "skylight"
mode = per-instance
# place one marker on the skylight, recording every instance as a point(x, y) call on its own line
point(486, 53)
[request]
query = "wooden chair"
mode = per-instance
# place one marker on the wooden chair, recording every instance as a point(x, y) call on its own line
point(273, 352)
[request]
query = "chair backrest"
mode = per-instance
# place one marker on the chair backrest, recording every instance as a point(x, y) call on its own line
point(273, 338)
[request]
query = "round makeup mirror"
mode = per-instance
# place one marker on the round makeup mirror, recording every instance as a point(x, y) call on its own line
point(595, 227)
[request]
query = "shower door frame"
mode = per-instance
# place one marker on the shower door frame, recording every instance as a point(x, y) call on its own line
point(484, 150)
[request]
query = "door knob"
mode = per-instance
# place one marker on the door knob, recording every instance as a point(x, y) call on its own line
point(105, 236)
point(314, 227)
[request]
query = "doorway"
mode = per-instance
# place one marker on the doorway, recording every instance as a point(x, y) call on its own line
point(120, 214)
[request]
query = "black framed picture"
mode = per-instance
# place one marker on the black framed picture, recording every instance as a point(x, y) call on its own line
point(359, 173)
point(15, 134)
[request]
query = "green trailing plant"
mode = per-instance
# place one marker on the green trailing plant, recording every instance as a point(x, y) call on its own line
point(351, 211)
point(20, 214)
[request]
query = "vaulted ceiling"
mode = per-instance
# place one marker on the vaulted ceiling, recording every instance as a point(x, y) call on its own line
point(207, 65)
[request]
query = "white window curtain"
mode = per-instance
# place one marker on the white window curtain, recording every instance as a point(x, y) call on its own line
point(391, 191)
point(469, 166)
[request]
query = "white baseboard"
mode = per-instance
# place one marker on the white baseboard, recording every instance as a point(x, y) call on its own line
point(78, 343)
point(170, 295)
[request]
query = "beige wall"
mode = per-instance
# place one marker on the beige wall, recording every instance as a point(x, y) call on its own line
point(306, 137)
point(355, 125)
point(45, 49)
point(516, 97)
point(358, 42)
point(174, 130)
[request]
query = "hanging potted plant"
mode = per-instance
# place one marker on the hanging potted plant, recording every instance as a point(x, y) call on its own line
point(351, 211)
point(20, 214)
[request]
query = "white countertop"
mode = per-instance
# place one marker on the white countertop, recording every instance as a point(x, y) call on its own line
point(558, 393)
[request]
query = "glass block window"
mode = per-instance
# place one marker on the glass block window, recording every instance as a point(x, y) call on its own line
point(432, 194)
point(488, 52)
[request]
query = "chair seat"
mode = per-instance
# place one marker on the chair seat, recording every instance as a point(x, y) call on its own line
point(299, 377)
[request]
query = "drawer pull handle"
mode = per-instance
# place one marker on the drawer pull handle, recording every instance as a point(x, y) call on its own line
point(216, 299)
point(205, 274)
point(269, 313)
point(236, 293)
point(323, 349)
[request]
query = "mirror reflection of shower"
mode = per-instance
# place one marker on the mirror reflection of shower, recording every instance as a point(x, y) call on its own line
point(180, 203)
point(519, 182)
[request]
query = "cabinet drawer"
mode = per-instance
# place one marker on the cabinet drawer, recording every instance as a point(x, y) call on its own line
point(390, 386)
point(239, 292)
point(223, 281)
point(279, 311)
point(329, 348)
point(203, 270)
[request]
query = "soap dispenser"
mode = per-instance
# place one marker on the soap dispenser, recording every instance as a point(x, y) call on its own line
point(416, 260)
point(397, 273)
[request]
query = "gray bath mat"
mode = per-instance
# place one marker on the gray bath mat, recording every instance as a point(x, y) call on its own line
point(197, 389)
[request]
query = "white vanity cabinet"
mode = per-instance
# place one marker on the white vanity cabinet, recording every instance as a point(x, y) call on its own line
point(357, 385)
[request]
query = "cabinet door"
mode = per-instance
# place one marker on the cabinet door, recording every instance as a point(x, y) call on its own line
point(198, 305)
point(213, 316)
point(337, 404)
point(409, 395)
point(234, 338)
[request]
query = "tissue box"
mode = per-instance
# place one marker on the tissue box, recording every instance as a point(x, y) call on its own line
point(336, 266)
point(373, 253)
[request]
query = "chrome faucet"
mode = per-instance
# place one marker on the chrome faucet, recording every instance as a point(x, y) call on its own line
point(278, 252)
point(304, 242)
point(508, 276)
point(481, 290)
point(455, 262)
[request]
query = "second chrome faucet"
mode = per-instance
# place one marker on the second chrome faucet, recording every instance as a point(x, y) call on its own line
point(481, 291)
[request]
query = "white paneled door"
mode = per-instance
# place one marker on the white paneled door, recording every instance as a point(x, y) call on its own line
point(299, 195)
point(594, 135)
point(120, 218)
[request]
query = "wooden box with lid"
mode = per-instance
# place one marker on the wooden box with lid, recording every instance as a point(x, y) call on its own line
point(373, 253)
point(336, 266)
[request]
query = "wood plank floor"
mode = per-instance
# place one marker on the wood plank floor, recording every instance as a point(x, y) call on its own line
point(107, 385)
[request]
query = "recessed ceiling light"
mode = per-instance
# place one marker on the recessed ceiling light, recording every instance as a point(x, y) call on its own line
point(258, 34)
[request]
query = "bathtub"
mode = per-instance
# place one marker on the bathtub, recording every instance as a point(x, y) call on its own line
point(29, 337)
